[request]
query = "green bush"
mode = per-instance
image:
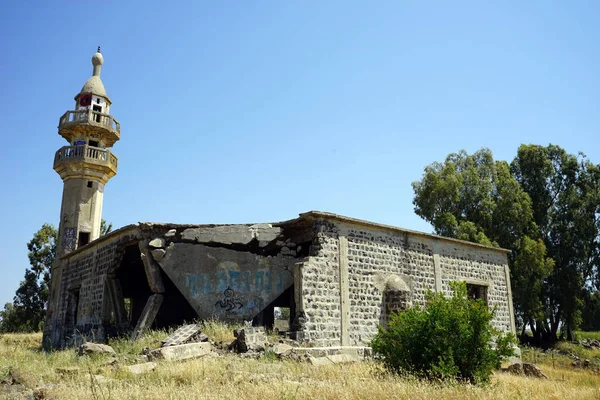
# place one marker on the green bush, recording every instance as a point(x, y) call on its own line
point(450, 338)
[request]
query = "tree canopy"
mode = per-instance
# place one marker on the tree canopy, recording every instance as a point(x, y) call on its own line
point(544, 206)
point(27, 311)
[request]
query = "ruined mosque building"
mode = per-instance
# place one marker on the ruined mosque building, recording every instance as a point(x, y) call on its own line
point(340, 277)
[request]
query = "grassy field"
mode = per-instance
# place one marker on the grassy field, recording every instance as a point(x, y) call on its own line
point(67, 376)
point(587, 335)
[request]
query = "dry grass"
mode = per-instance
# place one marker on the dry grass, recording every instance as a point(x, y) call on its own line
point(229, 376)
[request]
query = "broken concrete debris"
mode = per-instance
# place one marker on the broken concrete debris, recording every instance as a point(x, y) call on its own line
point(186, 334)
point(181, 352)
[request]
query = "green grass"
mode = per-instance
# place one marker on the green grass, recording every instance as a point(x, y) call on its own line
point(587, 335)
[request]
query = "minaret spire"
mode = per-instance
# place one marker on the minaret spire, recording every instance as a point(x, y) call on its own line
point(97, 61)
point(86, 163)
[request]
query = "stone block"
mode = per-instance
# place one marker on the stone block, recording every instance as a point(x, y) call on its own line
point(157, 243)
point(320, 361)
point(95, 348)
point(138, 369)
point(342, 358)
point(282, 349)
point(250, 339)
point(182, 351)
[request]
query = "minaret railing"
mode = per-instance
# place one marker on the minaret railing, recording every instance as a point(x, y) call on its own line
point(90, 117)
point(85, 153)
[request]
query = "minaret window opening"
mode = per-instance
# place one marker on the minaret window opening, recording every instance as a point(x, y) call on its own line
point(90, 184)
point(97, 108)
point(93, 143)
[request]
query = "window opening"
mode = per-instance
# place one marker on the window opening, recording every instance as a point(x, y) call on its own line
point(89, 184)
point(93, 143)
point(84, 238)
point(477, 292)
point(98, 109)
point(282, 317)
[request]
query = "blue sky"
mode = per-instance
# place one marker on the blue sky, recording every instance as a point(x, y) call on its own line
point(255, 111)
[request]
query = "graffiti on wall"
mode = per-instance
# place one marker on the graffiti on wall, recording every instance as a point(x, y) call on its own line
point(240, 282)
point(69, 239)
point(230, 300)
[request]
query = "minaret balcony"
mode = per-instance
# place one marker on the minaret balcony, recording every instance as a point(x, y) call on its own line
point(78, 123)
point(85, 161)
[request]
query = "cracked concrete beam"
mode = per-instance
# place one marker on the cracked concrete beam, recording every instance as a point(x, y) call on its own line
point(151, 268)
point(232, 234)
point(148, 315)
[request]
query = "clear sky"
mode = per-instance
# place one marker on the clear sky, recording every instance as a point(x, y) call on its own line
point(255, 111)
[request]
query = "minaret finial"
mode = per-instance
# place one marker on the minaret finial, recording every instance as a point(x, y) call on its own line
point(97, 61)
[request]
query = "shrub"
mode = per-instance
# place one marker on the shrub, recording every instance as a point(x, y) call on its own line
point(450, 338)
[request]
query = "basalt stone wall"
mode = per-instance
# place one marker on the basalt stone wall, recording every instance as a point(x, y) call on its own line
point(344, 280)
point(77, 305)
point(320, 286)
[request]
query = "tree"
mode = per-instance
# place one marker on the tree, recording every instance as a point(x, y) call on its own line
point(473, 197)
point(447, 339)
point(105, 227)
point(27, 311)
point(565, 193)
point(544, 207)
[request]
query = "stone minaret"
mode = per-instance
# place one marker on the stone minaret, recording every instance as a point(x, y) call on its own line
point(85, 164)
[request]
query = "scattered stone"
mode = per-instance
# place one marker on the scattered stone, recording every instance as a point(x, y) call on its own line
point(185, 334)
point(138, 369)
point(249, 339)
point(526, 369)
point(282, 349)
point(516, 368)
point(590, 344)
point(157, 243)
point(534, 371)
point(182, 351)
point(95, 348)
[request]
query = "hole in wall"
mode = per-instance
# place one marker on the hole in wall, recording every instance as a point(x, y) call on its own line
point(84, 238)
